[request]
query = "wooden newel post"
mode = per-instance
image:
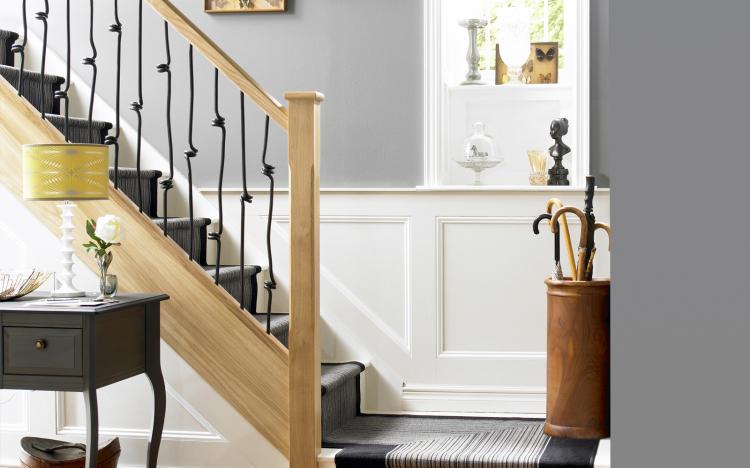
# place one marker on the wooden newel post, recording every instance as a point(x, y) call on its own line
point(304, 287)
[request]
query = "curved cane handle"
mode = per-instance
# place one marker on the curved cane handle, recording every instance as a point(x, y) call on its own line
point(538, 220)
point(608, 229)
point(554, 223)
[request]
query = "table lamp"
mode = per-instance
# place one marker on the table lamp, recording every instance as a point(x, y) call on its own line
point(66, 172)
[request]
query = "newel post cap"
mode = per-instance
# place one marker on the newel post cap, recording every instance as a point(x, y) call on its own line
point(304, 95)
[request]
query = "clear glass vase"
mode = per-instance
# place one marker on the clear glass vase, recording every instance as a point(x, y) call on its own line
point(107, 282)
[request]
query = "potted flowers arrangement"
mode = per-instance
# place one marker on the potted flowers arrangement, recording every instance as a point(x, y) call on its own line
point(105, 232)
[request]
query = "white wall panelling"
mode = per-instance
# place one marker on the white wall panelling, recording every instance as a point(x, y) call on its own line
point(441, 290)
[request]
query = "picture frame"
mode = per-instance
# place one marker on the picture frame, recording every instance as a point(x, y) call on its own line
point(539, 69)
point(245, 6)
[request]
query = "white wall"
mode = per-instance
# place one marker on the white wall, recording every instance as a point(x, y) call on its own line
point(442, 291)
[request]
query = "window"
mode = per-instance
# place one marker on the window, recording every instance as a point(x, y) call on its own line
point(516, 116)
point(547, 25)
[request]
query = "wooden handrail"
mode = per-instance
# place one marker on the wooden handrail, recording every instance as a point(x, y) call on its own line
point(223, 62)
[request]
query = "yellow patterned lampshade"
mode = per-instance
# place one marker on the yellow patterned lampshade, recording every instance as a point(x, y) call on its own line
point(65, 172)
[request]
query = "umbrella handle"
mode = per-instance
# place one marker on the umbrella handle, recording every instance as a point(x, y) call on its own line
point(535, 227)
point(556, 202)
point(608, 229)
point(583, 244)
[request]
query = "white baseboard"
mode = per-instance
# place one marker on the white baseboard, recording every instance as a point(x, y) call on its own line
point(525, 401)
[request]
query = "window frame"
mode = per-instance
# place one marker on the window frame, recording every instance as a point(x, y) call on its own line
point(436, 93)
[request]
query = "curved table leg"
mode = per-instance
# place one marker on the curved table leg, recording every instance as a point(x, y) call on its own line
point(153, 372)
point(92, 421)
point(160, 407)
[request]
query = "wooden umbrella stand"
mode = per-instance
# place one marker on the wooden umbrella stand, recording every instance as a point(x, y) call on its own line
point(578, 359)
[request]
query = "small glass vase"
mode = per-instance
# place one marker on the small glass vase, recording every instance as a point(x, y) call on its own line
point(107, 282)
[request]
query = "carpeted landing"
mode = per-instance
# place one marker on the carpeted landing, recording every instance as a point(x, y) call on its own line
point(370, 441)
point(448, 442)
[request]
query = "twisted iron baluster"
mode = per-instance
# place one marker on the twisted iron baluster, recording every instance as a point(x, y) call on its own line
point(191, 152)
point(219, 122)
point(21, 48)
point(42, 16)
point(114, 140)
point(63, 94)
point(137, 106)
point(168, 183)
point(245, 198)
point(91, 61)
point(268, 171)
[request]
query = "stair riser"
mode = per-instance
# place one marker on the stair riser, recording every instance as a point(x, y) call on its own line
point(231, 282)
point(6, 42)
point(181, 235)
point(32, 91)
point(149, 190)
point(81, 134)
point(340, 406)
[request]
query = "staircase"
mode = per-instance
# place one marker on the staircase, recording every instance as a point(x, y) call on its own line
point(336, 379)
point(360, 440)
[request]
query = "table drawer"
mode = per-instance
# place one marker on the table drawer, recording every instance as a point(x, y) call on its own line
point(42, 351)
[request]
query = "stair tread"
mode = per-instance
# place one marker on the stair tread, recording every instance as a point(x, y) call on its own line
point(8, 35)
point(79, 122)
point(11, 74)
point(131, 172)
point(335, 375)
point(279, 326)
point(231, 270)
point(182, 222)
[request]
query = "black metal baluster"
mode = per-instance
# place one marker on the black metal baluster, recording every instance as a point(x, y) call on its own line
point(137, 106)
point(20, 49)
point(168, 183)
point(191, 152)
point(244, 198)
point(219, 122)
point(114, 140)
point(63, 94)
point(91, 61)
point(42, 16)
point(268, 171)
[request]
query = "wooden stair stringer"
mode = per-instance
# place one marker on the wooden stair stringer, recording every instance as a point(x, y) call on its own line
point(201, 321)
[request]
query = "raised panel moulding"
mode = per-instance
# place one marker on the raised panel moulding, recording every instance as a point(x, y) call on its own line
point(209, 433)
point(443, 351)
point(401, 339)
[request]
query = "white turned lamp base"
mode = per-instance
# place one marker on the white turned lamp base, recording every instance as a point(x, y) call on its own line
point(65, 278)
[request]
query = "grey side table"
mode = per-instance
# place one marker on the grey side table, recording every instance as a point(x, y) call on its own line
point(81, 349)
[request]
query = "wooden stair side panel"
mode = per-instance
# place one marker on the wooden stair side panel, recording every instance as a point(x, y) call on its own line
point(201, 321)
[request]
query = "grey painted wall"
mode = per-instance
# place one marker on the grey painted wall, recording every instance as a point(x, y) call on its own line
point(365, 55)
point(600, 151)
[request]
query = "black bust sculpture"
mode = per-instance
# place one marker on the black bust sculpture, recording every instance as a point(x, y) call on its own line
point(558, 175)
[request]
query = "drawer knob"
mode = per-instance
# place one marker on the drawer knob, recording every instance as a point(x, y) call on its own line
point(40, 344)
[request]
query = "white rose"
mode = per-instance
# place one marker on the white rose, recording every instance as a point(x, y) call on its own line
point(109, 229)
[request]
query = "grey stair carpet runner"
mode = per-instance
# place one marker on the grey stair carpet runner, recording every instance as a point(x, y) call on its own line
point(31, 88)
point(78, 129)
point(434, 442)
point(179, 229)
point(127, 181)
point(367, 440)
point(7, 38)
